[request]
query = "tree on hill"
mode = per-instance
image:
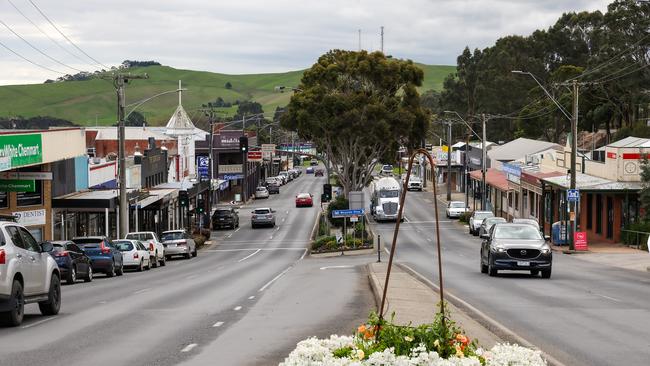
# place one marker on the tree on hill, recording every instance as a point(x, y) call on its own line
point(247, 108)
point(358, 108)
point(228, 85)
point(133, 63)
point(38, 122)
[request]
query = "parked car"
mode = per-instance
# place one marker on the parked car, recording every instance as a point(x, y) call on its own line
point(309, 170)
point(476, 220)
point(527, 221)
point(313, 162)
point(151, 241)
point(319, 173)
point(286, 176)
point(304, 200)
point(105, 258)
point(273, 188)
point(386, 170)
point(415, 183)
point(263, 217)
point(487, 224)
point(72, 261)
point(21, 257)
point(261, 192)
point(455, 209)
point(178, 242)
point(273, 180)
point(296, 172)
point(518, 247)
point(225, 217)
point(134, 253)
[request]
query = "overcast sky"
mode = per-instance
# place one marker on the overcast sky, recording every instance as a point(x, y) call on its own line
point(254, 36)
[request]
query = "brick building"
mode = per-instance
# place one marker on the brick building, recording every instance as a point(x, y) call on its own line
point(102, 141)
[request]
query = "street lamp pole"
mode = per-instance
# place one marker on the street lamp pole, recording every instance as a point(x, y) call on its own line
point(448, 161)
point(484, 164)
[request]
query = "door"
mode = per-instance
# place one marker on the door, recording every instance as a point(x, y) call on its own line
point(78, 258)
point(37, 261)
point(22, 257)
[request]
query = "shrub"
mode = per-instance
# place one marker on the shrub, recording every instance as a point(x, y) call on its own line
point(323, 243)
point(340, 203)
point(464, 217)
point(636, 238)
point(199, 240)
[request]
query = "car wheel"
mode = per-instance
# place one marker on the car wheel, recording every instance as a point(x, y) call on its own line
point(491, 270)
point(546, 273)
point(53, 303)
point(120, 270)
point(155, 263)
point(194, 253)
point(72, 276)
point(534, 272)
point(252, 226)
point(141, 266)
point(89, 274)
point(14, 317)
point(484, 267)
point(163, 261)
point(111, 271)
point(188, 255)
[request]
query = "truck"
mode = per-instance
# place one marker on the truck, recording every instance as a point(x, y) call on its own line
point(384, 199)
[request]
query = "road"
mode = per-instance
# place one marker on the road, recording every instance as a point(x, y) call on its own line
point(246, 300)
point(586, 314)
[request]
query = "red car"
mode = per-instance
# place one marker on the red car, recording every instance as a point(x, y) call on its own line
point(304, 200)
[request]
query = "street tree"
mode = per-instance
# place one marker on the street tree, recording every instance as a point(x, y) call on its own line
point(358, 108)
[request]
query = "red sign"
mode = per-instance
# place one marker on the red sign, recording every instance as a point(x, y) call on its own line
point(254, 156)
point(611, 155)
point(580, 240)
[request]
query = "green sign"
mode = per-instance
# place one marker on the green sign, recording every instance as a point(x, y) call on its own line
point(17, 185)
point(21, 149)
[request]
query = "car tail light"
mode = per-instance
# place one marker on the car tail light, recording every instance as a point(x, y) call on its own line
point(151, 246)
point(62, 254)
point(269, 216)
point(3, 256)
point(135, 255)
point(105, 249)
point(184, 242)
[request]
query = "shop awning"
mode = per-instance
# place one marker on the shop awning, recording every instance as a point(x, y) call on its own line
point(586, 182)
point(96, 199)
point(493, 177)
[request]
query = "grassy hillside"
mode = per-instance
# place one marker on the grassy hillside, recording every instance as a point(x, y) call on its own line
point(94, 101)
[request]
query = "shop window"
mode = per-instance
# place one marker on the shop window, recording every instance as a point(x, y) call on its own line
point(509, 200)
point(35, 198)
point(4, 200)
point(516, 201)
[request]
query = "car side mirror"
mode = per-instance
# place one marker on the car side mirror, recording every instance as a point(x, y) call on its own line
point(46, 247)
point(547, 237)
point(485, 236)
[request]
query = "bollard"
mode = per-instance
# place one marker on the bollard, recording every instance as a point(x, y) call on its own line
point(378, 248)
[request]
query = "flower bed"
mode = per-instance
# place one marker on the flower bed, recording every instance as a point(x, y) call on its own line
point(439, 343)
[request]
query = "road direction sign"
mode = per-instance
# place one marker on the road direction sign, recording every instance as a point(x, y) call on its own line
point(336, 214)
point(573, 195)
point(255, 156)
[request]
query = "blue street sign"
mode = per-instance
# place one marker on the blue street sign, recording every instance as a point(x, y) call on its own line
point(573, 195)
point(203, 164)
point(347, 213)
point(233, 176)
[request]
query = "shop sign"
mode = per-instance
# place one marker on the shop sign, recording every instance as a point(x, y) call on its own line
point(233, 176)
point(26, 175)
point(513, 173)
point(203, 165)
point(17, 185)
point(268, 151)
point(230, 168)
point(254, 156)
point(21, 149)
point(228, 139)
point(5, 163)
point(580, 240)
point(30, 218)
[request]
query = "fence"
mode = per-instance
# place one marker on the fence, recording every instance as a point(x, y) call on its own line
point(637, 238)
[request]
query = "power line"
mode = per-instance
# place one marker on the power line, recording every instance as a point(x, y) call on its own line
point(45, 33)
point(603, 80)
point(30, 61)
point(66, 37)
point(37, 49)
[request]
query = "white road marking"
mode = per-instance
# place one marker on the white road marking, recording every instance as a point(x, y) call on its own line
point(283, 219)
point(189, 347)
point(103, 302)
point(277, 228)
point(236, 230)
point(237, 308)
point(607, 297)
point(271, 237)
point(141, 291)
point(334, 267)
point(217, 324)
point(228, 236)
point(248, 256)
point(430, 239)
point(190, 277)
point(37, 323)
point(274, 279)
point(303, 255)
point(249, 249)
point(251, 297)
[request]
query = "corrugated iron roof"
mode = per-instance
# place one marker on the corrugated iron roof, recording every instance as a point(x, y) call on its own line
point(631, 141)
point(519, 148)
point(592, 183)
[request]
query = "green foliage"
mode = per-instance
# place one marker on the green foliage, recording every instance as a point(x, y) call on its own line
point(342, 352)
point(135, 119)
point(464, 217)
point(640, 239)
point(644, 194)
point(228, 85)
point(339, 203)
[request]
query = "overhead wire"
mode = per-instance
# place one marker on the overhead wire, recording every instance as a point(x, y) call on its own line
point(66, 37)
point(603, 80)
point(30, 61)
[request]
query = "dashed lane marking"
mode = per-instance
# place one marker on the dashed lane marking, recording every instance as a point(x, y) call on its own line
point(237, 308)
point(189, 347)
point(274, 279)
point(251, 297)
point(334, 267)
point(217, 324)
point(37, 323)
point(248, 256)
point(141, 291)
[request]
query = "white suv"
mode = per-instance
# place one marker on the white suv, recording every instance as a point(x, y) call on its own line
point(150, 240)
point(28, 274)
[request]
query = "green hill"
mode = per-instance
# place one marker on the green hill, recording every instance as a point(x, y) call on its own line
point(94, 102)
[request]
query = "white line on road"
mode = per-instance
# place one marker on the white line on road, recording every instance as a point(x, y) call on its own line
point(236, 230)
point(251, 297)
point(275, 279)
point(217, 324)
point(37, 323)
point(334, 267)
point(141, 291)
point(249, 249)
point(189, 347)
point(271, 237)
point(228, 236)
point(190, 277)
point(103, 302)
point(237, 308)
point(303, 255)
point(607, 297)
point(277, 228)
point(248, 256)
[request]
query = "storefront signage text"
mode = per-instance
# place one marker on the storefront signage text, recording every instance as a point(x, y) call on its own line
point(30, 218)
point(21, 149)
point(17, 185)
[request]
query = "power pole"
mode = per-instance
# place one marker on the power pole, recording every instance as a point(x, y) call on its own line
point(483, 164)
point(574, 153)
point(359, 40)
point(448, 161)
point(382, 39)
point(119, 80)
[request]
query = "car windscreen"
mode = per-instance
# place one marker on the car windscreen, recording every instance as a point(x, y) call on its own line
point(529, 222)
point(304, 195)
point(524, 232)
point(221, 212)
point(387, 168)
point(177, 235)
point(482, 215)
point(87, 242)
point(385, 193)
point(262, 211)
point(494, 220)
point(457, 205)
point(139, 236)
point(261, 189)
point(123, 246)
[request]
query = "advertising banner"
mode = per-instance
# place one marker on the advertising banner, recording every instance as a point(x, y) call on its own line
point(21, 149)
point(17, 185)
point(580, 240)
point(254, 156)
point(30, 218)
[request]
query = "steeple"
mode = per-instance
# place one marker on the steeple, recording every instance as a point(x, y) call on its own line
point(180, 123)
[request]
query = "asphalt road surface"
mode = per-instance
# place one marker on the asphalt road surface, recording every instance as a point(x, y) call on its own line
point(586, 314)
point(245, 301)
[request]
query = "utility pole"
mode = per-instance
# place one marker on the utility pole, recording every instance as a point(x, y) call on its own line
point(211, 160)
point(119, 80)
point(483, 164)
point(382, 39)
point(448, 161)
point(574, 152)
point(359, 40)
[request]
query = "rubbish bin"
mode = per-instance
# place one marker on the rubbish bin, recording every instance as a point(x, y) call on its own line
point(559, 233)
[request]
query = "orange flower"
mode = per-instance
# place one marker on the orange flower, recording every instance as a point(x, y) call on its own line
point(361, 329)
point(462, 339)
point(369, 334)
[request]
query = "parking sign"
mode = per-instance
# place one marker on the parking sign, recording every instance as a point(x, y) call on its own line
point(573, 195)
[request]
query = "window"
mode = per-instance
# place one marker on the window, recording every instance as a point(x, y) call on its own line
point(29, 240)
point(4, 200)
point(15, 237)
point(35, 198)
point(37, 233)
point(509, 200)
point(516, 200)
point(73, 247)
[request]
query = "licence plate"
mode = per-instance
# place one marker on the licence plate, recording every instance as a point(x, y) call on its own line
point(523, 264)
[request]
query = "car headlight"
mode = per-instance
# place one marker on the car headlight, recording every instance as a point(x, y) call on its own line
point(380, 210)
point(545, 249)
point(498, 248)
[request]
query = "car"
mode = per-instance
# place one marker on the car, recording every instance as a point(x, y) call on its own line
point(28, 274)
point(286, 176)
point(304, 200)
point(476, 220)
point(105, 258)
point(386, 170)
point(178, 242)
point(151, 241)
point(313, 162)
point(296, 172)
point(319, 173)
point(134, 253)
point(518, 247)
point(309, 170)
point(72, 261)
point(527, 221)
point(487, 223)
point(273, 188)
point(415, 183)
point(273, 180)
point(281, 179)
point(261, 192)
point(455, 209)
point(225, 217)
point(263, 217)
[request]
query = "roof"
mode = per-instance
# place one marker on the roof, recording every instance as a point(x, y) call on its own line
point(180, 123)
point(588, 182)
point(631, 142)
point(131, 133)
point(493, 177)
point(519, 148)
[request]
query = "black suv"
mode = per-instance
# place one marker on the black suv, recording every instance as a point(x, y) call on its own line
point(225, 217)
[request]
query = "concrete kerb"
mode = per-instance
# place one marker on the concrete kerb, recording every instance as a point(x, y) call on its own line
point(375, 288)
point(490, 324)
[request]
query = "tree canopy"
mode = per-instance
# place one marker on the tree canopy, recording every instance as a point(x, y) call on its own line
point(358, 108)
